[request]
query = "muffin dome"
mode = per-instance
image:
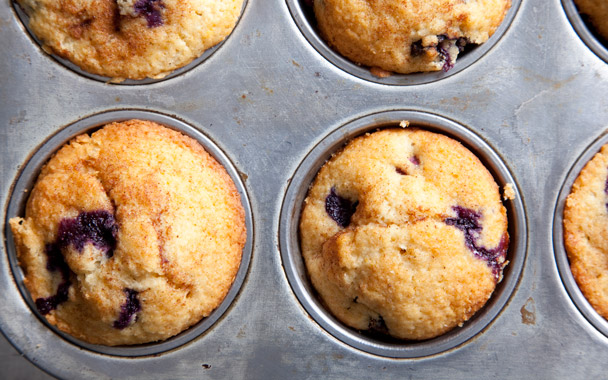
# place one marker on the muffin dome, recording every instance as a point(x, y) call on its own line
point(130, 235)
point(403, 232)
point(407, 36)
point(131, 39)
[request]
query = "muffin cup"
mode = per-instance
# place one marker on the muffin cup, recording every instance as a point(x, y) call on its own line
point(24, 18)
point(561, 257)
point(16, 206)
point(585, 31)
point(296, 270)
point(304, 17)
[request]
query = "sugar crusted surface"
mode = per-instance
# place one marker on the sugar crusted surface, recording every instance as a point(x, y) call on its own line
point(425, 245)
point(407, 36)
point(131, 39)
point(585, 231)
point(130, 235)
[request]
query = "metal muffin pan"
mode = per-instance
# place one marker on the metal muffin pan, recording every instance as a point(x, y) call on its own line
point(270, 100)
point(27, 178)
point(296, 270)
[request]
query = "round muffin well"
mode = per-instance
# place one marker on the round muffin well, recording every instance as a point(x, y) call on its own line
point(130, 39)
point(130, 235)
point(407, 36)
point(403, 232)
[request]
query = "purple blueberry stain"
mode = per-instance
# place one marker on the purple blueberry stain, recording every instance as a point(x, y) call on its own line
point(339, 209)
point(55, 262)
point(416, 48)
point(96, 227)
point(400, 171)
point(447, 59)
point(151, 10)
point(415, 160)
point(127, 309)
point(442, 47)
point(461, 43)
point(467, 221)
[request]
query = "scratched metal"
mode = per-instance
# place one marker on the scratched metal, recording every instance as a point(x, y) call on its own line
point(268, 99)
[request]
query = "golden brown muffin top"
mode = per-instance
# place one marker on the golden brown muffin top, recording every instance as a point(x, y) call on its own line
point(130, 235)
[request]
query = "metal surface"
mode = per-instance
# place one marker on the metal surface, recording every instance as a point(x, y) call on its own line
point(267, 98)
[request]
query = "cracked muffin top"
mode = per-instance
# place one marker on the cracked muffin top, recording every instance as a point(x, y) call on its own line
point(403, 232)
point(407, 36)
point(131, 39)
point(597, 13)
point(586, 231)
point(131, 235)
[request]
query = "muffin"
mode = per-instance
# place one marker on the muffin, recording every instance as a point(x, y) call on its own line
point(131, 39)
point(586, 231)
point(407, 36)
point(131, 235)
point(403, 232)
point(596, 12)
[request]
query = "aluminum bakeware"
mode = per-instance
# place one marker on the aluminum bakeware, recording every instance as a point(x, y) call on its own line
point(272, 103)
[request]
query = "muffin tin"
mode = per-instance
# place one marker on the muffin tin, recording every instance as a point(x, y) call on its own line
point(272, 106)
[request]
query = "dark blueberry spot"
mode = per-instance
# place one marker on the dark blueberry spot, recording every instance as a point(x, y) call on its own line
point(467, 221)
point(86, 23)
point(151, 10)
point(128, 309)
point(400, 171)
point(378, 325)
point(461, 42)
point(414, 160)
point(55, 262)
point(355, 299)
point(416, 48)
point(95, 227)
point(445, 55)
point(339, 209)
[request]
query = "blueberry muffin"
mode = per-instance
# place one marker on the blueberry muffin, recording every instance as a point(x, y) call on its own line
point(407, 36)
point(131, 39)
point(586, 231)
point(403, 232)
point(597, 13)
point(131, 235)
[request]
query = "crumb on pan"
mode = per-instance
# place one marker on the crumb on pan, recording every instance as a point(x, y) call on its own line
point(380, 73)
point(508, 192)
